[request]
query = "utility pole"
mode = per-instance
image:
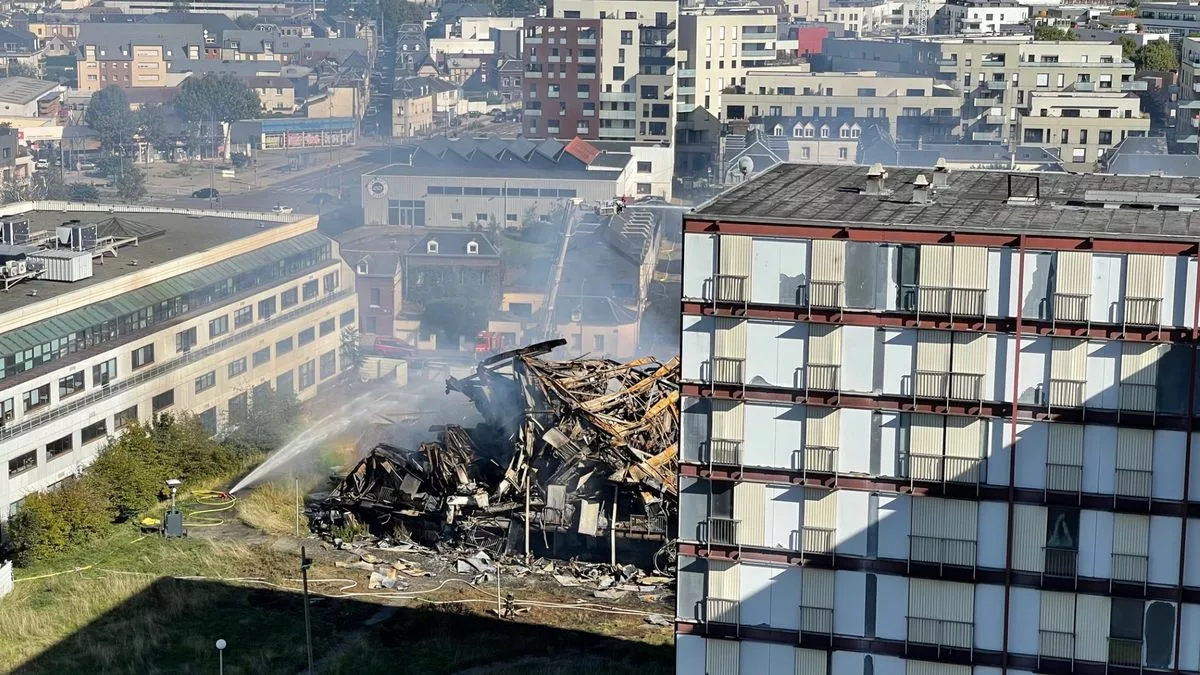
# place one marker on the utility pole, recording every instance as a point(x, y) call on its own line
point(305, 563)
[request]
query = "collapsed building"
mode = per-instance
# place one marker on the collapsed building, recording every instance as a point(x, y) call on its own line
point(581, 447)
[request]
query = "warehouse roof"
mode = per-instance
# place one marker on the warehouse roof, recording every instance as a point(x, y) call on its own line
point(22, 90)
point(972, 201)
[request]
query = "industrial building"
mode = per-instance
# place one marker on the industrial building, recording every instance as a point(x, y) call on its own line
point(940, 422)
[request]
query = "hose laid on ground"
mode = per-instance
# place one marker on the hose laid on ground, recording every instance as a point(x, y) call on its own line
point(223, 502)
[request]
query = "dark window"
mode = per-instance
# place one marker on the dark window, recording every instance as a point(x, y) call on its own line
point(283, 383)
point(308, 374)
point(328, 364)
point(243, 317)
point(266, 308)
point(218, 326)
point(22, 463)
point(239, 408)
point(289, 298)
point(327, 326)
point(60, 447)
point(125, 417)
point(206, 381)
point(143, 356)
point(376, 297)
point(92, 432)
point(103, 373)
point(185, 340)
point(36, 398)
point(261, 356)
point(330, 282)
point(346, 318)
point(71, 384)
point(307, 335)
point(283, 346)
point(237, 367)
point(163, 401)
point(208, 420)
point(310, 289)
point(720, 504)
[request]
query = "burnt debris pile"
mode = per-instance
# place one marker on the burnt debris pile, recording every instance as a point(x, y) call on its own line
point(584, 447)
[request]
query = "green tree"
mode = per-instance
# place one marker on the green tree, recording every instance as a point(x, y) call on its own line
point(131, 184)
point(1156, 55)
point(223, 98)
point(81, 192)
point(1046, 33)
point(129, 472)
point(352, 355)
point(108, 115)
point(1128, 47)
point(396, 12)
point(246, 21)
point(54, 521)
point(516, 7)
point(152, 125)
point(22, 70)
point(271, 421)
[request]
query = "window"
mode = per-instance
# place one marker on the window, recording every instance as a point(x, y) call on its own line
point(346, 318)
point(71, 384)
point(406, 212)
point(206, 381)
point(236, 368)
point(208, 420)
point(143, 356)
point(330, 282)
point(643, 188)
point(598, 343)
point(1043, 79)
point(482, 217)
point(510, 217)
point(370, 325)
point(243, 317)
point(326, 327)
point(36, 398)
point(283, 383)
point(93, 431)
point(308, 374)
point(1062, 541)
point(60, 447)
point(163, 401)
point(1106, 137)
point(261, 356)
point(376, 297)
point(218, 326)
point(22, 463)
point(843, 153)
point(283, 346)
point(328, 364)
point(289, 298)
point(266, 308)
point(1125, 633)
point(185, 340)
point(307, 335)
point(239, 408)
point(125, 417)
point(363, 267)
point(626, 37)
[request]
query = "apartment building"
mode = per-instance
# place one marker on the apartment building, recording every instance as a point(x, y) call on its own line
point(911, 107)
point(1000, 479)
point(979, 17)
point(1179, 19)
point(881, 17)
point(1081, 126)
point(602, 71)
point(412, 106)
point(133, 55)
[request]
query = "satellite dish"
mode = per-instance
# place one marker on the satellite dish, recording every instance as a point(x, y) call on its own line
point(745, 165)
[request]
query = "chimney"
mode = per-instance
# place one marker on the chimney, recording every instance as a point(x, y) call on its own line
point(875, 180)
point(921, 193)
point(941, 174)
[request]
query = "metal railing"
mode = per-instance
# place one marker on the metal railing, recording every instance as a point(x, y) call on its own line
point(1138, 397)
point(819, 458)
point(727, 370)
point(818, 540)
point(1124, 652)
point(951, 301)
point(1136, 483)
point(940, 632)
point(816, 620)
point(949, 386)
point(722, 610)
point(943, 468)
point(1056, 644)
point(724, 451)
point(1066, 393)
point(822, 377)
point(730, 288)
point(145, 374)
point(1060, 563)
point(941, 551)
point(824, 294)
point(1131, 567)
point(1140, 311)
point(722, 531)
point(1073, 307)
point(1064, 477)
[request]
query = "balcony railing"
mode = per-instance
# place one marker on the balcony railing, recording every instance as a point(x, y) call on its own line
point(722, 610)
point(823, 376)
point(1138, 397)
point(941, 551)
point(951, 386)
point(951, 301)
point(818, 458)
point(818, 540)
point(824, 294)
point(1143, 311)
point(725, 452)
point(997, 85)
point(1067, 393)
point(1135, 483)
point(1064, 477)
point(1073, 307)
point(1061, 563)
point(1124, 652)
point(816, 620)
point(1055, 644)
point(722, 531)
point(728, 370)
point(1130, 567)
point(940, 632)
point(943, 468)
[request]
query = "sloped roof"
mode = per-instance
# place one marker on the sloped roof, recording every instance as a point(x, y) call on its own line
point(581, 150)
point(501, 158)
point(453, 242)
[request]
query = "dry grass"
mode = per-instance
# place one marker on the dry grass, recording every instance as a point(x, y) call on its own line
point(272, 508)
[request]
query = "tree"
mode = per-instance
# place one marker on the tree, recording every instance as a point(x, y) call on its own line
point(1157, 55)
point(1128, 47)
point(108, 115)
point(1047, 33)
point(22, 70)
point(396, 12)
point(82, 192)
point(131, 183)
point(152, 125)
point(223, 98)
point(352, 356)
point(246, 21)
point(270, 422)
point(516, 7)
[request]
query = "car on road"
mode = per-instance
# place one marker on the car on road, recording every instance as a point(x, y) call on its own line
point(650, 199)
point(282, 209)
point(42, 164)
point(206, 193)
point(85, 166)
point(393, 348)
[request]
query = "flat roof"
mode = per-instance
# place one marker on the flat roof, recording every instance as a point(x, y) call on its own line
point(973, 201)
point(163, 237)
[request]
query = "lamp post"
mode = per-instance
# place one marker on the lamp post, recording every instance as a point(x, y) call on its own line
point(221, 657)
point(305, 563)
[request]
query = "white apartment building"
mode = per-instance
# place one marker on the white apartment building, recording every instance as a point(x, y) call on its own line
point(1081, 126)
point(980, 17)
point(882, 17)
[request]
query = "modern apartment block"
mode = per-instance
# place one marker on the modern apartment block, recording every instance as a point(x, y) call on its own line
point(940, 423)
point(602, 70)
point(980, 17)
point(1177, 18)
point(1081, 126)
point(133, 55)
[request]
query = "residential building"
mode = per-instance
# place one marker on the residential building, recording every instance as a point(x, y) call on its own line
point(510, 73)
point(451, 262)
point(881, 17)
point(133, 55)
point(375, 255)
point(801, 140)
point(27, 97)
point(1148, 156)
point(876, 146)
point(1081, 126)
point(277, 94)
point(336, 101)
point(230, 8)
point(272, 44)
point(491, 183)
point(1176, 18)
point(19, 47)
point(602, 71)
point(939, 422)
point(412, 106)
point(209, 316)
point(980, 17)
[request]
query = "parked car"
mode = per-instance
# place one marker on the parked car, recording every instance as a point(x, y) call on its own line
point(280, 208)
point(85, 166)
point(206, 193)
point(393, 348)
point(42, 164)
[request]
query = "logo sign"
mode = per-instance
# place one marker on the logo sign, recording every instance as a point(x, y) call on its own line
point(377, 188)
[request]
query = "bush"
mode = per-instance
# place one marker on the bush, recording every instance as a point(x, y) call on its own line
point(52, 522)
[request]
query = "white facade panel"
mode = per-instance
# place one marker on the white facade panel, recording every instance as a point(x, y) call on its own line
point(858, 372)
point(989, 624)
point(1174, 277)
point(1189, 638)
point(775, 353)
point(852, 508)
point(850, 662)
point(850, 596)
point(1188, 301)
point(889, 443)
point(891, 607)
point(1095, 544)
point(768, 658)
point(887, 665)
point(899, 357)
point(1164, 550)
point(993, 521)
point(998, 459)
point(1103, 369)
point(997, 300)
point(1031, 455)
point(1170, 447)
point(1191, 573)
point(749, 508)
point(1099, 458)
point(894, 516)
point(785, 595)
point(1024, 605)
point(757, 590)
point(1034, 375)
point(723, 657)
point(778, 265)
point(785, 505)
point(1108, 281)
point(699, 262)
point(690, 655)
point(812, 662)
point(854, 446)
point(695, 346)
point(1029, 537)
point(773, 433)
point(1091, 627)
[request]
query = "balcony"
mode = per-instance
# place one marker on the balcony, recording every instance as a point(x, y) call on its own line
point(1124, 652)
point(1056, 644)
point(822, 377)
point(1066, 393)
point(585, 76)
point(721, 610)
point(817, 458)
point(729, 287)
point(721, 531)
point(949, 386)
point(1064, 478)
point(950, 634)
point(587, 59)
point(1130, 567)
point(941, 551)
point(533, 74)
point(728, 370)
point(818, 540)
point(824, 294)
point(1060, 563)
point(725, 452)
point(947, 63)
point(532, 112)
point(751, 32)
point(1143, 311)
point(995, 120)
point(985, 136)
point(755, 54)
point(586, 41)
point(1072, 307)
point(816, 620)
point(1135, 483)
point(686, 91)
point(951, 301)
point(1138, 397)
point(618, 96)
point(944, 468)
point(533, 39)
point(997, 85)
point(986, 101)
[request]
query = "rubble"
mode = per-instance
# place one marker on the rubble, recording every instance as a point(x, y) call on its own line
point(585, 446)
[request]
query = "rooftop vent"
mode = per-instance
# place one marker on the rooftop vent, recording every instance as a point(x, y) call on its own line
point(921, 193)
point(876, 178)
point(1024, 189)
point(941, 174)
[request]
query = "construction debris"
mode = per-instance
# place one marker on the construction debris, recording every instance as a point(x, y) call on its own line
point(585, 446)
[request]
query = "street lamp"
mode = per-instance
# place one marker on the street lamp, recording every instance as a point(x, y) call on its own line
point(221, 657)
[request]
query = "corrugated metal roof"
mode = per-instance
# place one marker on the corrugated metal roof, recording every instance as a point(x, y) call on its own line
point(70, 322)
